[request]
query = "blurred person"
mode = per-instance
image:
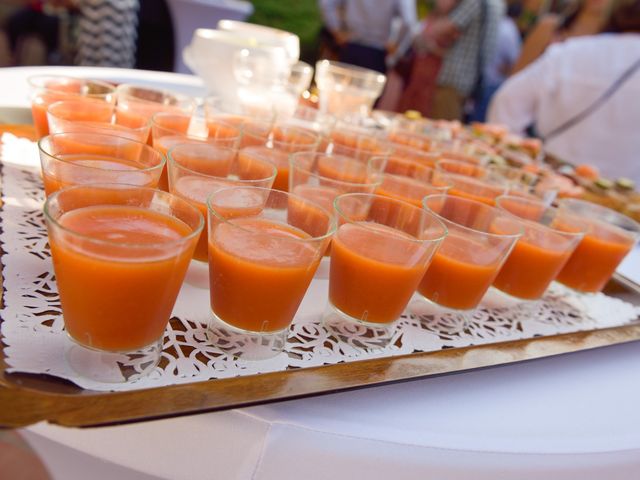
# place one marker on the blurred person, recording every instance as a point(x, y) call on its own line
point(581, 97)
point(107, 32)
point(498, 67)
point(471, 31)
point(429, 48)
point(33, 19)
point(581, 17)
point(362, 28)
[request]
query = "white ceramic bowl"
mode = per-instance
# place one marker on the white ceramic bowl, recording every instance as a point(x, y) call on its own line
point(211, 56)
point(262, 35)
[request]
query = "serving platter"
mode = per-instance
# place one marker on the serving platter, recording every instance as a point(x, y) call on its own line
point(27, 398)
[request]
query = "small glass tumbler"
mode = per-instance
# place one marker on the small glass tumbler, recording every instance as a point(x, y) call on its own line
point(264, 248)
point(48, 89)
point(196, 170)
point(120, 254)
point(80, 158)
point(379, 255)
point(408, 181)
point(610, 236)
point(550, 237)
point(92, 116)
point(479, 240)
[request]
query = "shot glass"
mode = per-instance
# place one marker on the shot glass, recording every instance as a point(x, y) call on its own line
point(411, 140)
point(80, 158)
point(255, 121)
point(459, 167)
point(358, 143)
point(479, 240)
point(485, 190)
point(407, 181)
point(120, 254)
point(92, 116)
point(170, 129)
point(196, 170)
point(550, 237)
point(610, 236)
point(136, 104)
point(283, 141)
point(264, 248)
point(48, 89)
point(379, 255)
point(428, 159)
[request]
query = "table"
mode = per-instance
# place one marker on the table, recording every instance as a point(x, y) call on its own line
point(566, 417)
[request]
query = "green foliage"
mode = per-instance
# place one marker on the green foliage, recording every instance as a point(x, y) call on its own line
point(301, 17)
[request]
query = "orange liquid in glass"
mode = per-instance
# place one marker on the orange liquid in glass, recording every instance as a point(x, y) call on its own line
point(259, 273)
point(454, 278)
point(124, 303)
point(374, 273)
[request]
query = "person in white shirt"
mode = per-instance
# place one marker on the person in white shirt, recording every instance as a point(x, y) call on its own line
point(581, 97)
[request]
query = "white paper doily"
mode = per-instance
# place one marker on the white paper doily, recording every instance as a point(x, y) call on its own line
point(33, 331)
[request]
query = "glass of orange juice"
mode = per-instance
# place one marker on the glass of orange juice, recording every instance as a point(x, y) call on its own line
point(136, 104)
point(115, 248)
point(411, 140)
point(48, 89)
point(550, 237)
point(92, 116)
point(282, 142)
point(80, 158)
point(409, 153)
point(255, 120)
point(408, 181)
point(485, 190)
point(358, 142)
point(479, 240)
point(171, 128)
point(458, 167)
point(264, 248)
point(197, 169)
point(379, 255)
point(610, 236)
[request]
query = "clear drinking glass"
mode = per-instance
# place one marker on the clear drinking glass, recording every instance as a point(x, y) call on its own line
point(550, 237)
point(379, 255)
point(479, 240)
point(264, 248)
point(80, 158)
point(120, 254)
point(48, 89)
point(408, 181)
point(610, 236)
point(92, 116)
point(485, 190)
point(196, 170)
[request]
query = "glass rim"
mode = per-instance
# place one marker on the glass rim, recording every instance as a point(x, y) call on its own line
point(141, 128)
point(199, 144)
point(146, 147)
point(122, 186)
point(293, 163)
point(475, 231)
point(351, 70)
point(268, 191)
point(633, 226)
point(298, 131)
point(546, 208)
point(154, 123)
point(443, 227)
point(122, 89)
point(32, 82)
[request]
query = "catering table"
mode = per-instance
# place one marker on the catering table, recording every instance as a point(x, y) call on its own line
point(565, 417)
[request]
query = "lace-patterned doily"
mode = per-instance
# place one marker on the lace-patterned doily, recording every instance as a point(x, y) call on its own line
point(33, 330)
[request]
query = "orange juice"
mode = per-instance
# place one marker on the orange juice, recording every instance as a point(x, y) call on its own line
point(83, 169)
point(96, 280)
point(596, 258)
point(530, 267)
point(277, 157)
point(259, 272)
point(374, 271)
point(455, 279)
point(340, 167)
point(406, 189)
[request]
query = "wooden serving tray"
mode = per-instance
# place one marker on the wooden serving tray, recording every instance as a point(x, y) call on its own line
point(27, 399)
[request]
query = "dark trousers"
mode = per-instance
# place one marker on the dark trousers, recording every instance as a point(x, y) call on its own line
point(364, 56)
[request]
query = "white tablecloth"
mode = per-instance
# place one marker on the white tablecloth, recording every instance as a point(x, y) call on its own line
point(568, 417)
